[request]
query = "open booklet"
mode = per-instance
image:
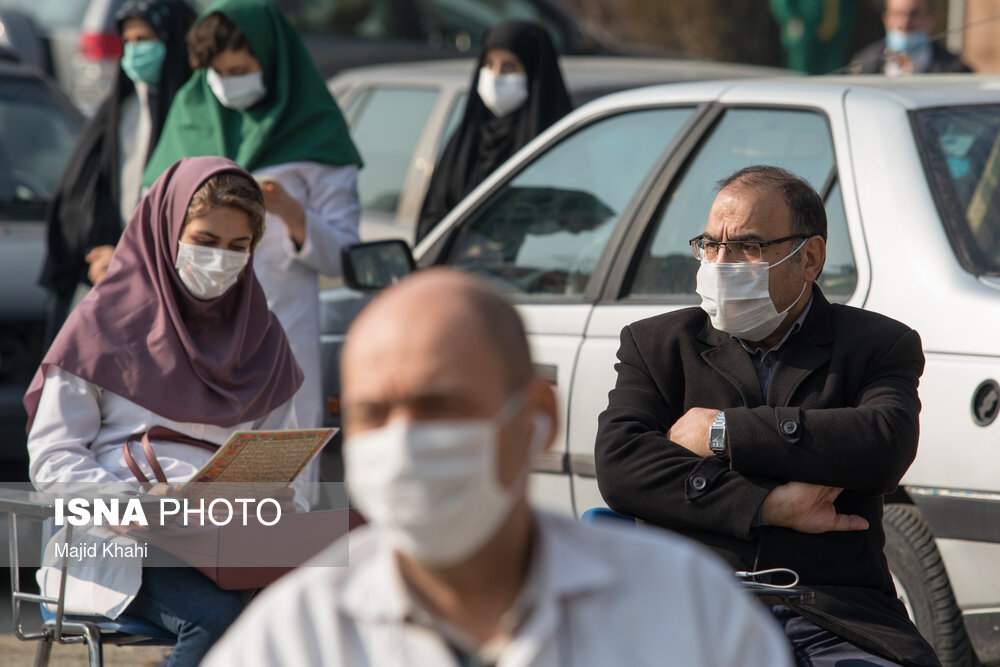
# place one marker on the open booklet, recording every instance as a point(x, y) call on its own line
point(259, 458)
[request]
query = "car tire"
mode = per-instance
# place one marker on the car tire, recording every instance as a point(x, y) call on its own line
point(923, 587)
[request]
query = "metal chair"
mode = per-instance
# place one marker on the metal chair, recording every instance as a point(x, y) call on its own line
point(57, 626)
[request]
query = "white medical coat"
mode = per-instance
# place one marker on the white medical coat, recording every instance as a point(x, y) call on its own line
point(289, 275)
point(77, 437)
point(604, 597)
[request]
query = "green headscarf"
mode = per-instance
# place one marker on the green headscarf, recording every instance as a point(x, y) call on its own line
point(298, 119)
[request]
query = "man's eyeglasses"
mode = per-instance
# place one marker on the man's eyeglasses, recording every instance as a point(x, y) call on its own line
point(750, 251)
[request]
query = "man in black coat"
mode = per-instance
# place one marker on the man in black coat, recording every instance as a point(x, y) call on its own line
point(768, 423)
point(907, 47)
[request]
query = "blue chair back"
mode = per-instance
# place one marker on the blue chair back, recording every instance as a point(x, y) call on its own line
point(602, 514)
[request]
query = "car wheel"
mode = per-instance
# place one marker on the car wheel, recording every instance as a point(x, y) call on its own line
point(923, 587)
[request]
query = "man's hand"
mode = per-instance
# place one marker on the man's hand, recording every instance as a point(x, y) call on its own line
point(691, 430)
point(99, 258)
point(808, 508)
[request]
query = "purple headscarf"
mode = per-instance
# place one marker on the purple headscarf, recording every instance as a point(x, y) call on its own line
point(140, 334)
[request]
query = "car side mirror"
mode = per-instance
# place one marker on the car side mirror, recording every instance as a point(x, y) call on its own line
point(376, 265)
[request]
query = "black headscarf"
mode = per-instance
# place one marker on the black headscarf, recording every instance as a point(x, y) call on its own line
point(85, 212)
point(482, 142)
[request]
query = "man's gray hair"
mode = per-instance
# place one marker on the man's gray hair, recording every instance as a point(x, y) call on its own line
point(805, 204)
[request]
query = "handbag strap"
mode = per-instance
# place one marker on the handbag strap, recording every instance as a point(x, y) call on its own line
point(157, 433)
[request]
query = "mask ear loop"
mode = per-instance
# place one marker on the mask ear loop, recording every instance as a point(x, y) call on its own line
point(791, 254)
point(542, 426)
point(804, 284)
point(511, 408)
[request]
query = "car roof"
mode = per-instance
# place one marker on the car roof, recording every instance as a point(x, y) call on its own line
point(924, 91)
point(581, 72)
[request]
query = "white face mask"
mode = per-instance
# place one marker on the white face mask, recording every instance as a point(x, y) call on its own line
point(737, 297)
point(237, 92)
point(208, 273)
point(504, 93)
point(432, 487)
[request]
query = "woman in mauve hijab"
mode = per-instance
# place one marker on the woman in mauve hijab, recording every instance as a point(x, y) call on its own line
point(257, 98)
point(516, 92)
point(177, 335)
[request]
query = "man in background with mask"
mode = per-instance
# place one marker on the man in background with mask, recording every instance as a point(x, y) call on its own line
point(442, 413)
point(769, 423)
point(907, 47)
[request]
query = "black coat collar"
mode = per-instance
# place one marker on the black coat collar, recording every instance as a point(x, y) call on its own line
point(802, 353)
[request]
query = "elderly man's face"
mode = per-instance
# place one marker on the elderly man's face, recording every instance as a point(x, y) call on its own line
point(431, 361)
point(759, 215)
point(909, 16)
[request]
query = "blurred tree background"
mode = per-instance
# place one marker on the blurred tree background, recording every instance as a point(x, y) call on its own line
point(743, 31)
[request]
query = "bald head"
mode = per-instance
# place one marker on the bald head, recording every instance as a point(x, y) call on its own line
point(448, 308)
point(441, 343)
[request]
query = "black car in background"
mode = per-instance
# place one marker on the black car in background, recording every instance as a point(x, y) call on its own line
point(38, 130)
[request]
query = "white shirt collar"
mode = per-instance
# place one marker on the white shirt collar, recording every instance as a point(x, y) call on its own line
point(377, 591)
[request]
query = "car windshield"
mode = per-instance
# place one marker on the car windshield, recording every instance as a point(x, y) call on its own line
point(961, 154)
point(50, 13)
point(37, 136)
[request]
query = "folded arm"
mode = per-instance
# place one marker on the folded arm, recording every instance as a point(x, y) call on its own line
point(643, 474)
point(866, 447)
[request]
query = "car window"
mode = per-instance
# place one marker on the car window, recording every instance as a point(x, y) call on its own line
point(386, 130)
point(353, 104)
point(37, 136)
point(840, 272)
point(798, 141)
point(961, 151)
point(454, 118)
point(544, 231)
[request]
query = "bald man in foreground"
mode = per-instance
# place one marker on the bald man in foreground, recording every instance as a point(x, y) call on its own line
point(442, 413)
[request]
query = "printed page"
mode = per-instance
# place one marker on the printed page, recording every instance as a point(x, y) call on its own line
point(259, 458)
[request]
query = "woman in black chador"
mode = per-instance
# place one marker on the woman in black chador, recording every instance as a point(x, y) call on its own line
point(516, 92)
point(101, 184)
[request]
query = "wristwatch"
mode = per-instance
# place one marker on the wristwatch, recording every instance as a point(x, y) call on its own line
point(717, 441)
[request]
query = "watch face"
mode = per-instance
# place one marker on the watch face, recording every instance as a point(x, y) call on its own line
point(715, 440)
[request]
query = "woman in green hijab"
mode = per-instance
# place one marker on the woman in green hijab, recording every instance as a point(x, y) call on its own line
point(257, 98)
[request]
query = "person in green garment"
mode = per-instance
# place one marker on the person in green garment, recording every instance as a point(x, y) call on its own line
point(257, 98)
point(815, 34)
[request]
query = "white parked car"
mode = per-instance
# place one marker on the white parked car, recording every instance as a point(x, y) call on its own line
point(587, 230)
